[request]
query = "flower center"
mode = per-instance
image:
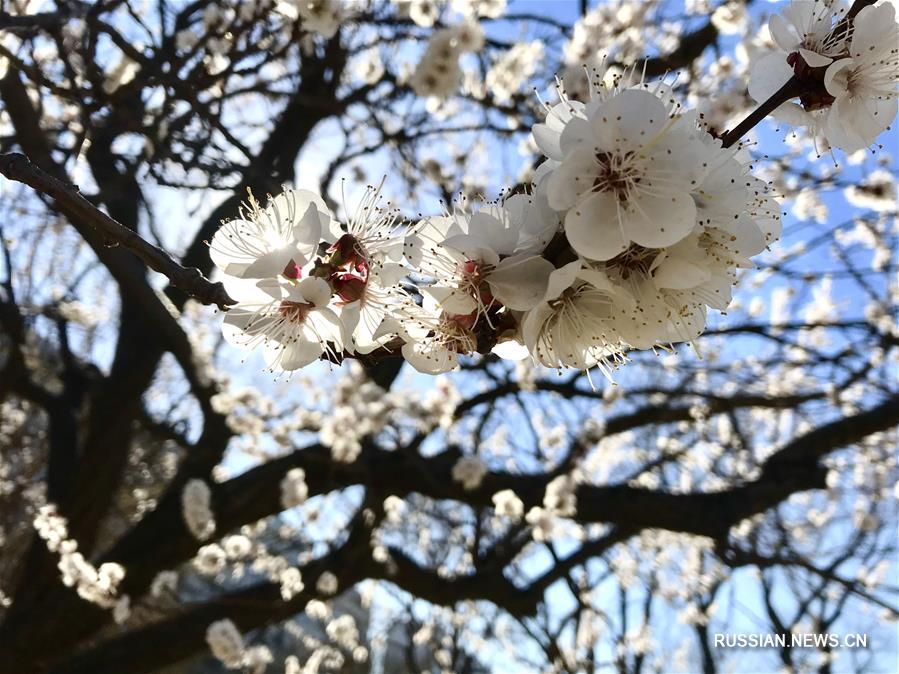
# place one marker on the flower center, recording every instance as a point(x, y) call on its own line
point(295, 312)
point(562, 300)
point(616, 174)
point(635, 260)
point(455, 333)
point(348, 268)
point(474, 278)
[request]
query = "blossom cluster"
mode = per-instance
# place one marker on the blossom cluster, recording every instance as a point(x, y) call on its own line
point(848, 69)
point(196, 509)
point(438, 73)
point(227, 645)
point(637, 222)
point(98, 585)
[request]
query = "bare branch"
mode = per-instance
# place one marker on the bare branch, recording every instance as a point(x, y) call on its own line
point(16, 166)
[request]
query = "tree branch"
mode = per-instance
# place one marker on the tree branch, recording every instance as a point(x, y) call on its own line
point(69, 200)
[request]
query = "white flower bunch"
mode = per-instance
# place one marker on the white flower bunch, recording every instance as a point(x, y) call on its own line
point(303, 286)
point(848, 69)
point(638, 223)
point(470, 472)
point(196, 509)
point(438, 74)
point(660, 216)
point(512, 69)
point(492, 9)
point(421, 12)
point(226, 643)
point(293, 488)
point(98, 585)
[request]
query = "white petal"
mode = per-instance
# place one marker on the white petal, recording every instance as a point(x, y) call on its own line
point(389, 274)
point(836, 78)
point(451, 300)
point(783, 33)
point(495, 234)
point(242, 324)
point(769, 73)
point(520, 282)
point(688, 322)
point(601, 281)
point(679, 273)
point(853, 123)
point(572, 178)
point(327, 327)
point(873, 30)
point(307, 232)
point(532, 326)
point(578, 133)
point(250, 290)
point(814, 59)
point(293, 355)
point(593, 227)
point(562, 278)
point(547, 140)
point(510, 350)
point(242, 248)
point(314, 290)
point(429, 360)
point(629, 120)
point(366, 336)
point(293, 206)
point(659, 220)
point(349, 315)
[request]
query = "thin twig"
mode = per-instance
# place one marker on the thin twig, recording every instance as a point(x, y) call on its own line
point(16, 166)
point(791, 88)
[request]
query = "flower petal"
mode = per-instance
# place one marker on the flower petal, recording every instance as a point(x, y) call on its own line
point(510, 350)
point(659, 220)
point(293, 355)
point(520, 282)
point(679, 273)
point(769, 73)
point(244, 249)
point(572, 178)
point(814, 59)
point(562, 278)
point(594, 227)
point(629, 120)
point(836, 79)
point(874, 30)
point(783, 33)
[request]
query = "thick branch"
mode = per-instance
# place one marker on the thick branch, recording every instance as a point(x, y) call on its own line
point(255, 494)
point(69, 200)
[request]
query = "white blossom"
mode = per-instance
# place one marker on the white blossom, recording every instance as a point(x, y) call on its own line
point(469, 471)
point(327, 584)
point(560, 496)
point(854, 99)
point(293, 488)
point(507, 504)
point(226, 643)
point(210, 559)
point(864, 84)
point(343, 630)
point(291, 583)
point(196, 509)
